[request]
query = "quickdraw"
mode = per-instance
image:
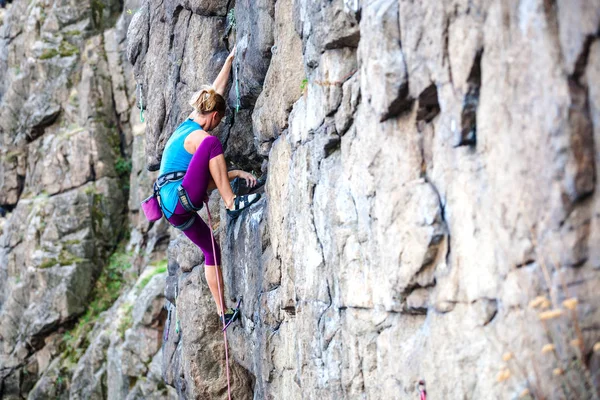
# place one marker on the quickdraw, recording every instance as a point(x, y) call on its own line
point(177, 327)
point(168, 321)
point(141, 102)
point(237, 87)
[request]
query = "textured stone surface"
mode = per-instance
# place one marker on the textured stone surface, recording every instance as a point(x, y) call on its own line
point(432, 168)
point(66, 137)
point(283, 81)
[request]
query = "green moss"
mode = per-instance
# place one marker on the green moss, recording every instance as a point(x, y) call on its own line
point(66, 49)
point(49, 53)
point(41, 196)
point(74, 32)
point(97, 11)
point(303, 84)
point(107, 289)
point(43, 15)
point(113, 138)
point(96, 212)
point(49, 262)
point(123, 167)
point(66, 258)
point(11, 156)
point(126, 321)
point(159, 269)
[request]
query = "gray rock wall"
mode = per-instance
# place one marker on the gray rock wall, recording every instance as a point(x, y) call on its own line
point(432, 170)
point(80, 318)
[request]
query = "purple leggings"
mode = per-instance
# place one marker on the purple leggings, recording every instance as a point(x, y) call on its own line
point(195, 182)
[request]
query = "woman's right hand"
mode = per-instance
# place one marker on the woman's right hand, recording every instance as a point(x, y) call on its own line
point(248, 177)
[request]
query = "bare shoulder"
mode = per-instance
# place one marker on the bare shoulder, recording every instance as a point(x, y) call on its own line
point(198, 134)
point(193, 140)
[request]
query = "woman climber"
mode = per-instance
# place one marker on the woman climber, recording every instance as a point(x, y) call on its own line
point(192, 164)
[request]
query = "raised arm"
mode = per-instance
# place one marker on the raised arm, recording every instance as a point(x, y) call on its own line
point(220, 84)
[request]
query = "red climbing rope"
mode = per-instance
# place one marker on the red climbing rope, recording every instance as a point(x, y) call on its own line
point(212, 235)
point(422, 390)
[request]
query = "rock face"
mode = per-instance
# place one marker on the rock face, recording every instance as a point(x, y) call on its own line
point(432, 170)
point(430, 210)
point(68, 132)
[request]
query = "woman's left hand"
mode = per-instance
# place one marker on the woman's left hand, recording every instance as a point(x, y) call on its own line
point(232, 54)
point(249, 178)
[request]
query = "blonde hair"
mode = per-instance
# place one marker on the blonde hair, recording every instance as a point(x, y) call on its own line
point(207, 100)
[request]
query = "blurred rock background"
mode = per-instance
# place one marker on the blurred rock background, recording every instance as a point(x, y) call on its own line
point(430, 210)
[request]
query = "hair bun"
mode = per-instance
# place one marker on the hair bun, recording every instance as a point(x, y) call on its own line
point(207, 100)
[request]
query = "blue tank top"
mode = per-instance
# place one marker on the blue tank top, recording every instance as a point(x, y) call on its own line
point(175, 158)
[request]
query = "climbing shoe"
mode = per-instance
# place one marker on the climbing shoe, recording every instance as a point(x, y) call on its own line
point(242, 202)
point(231, 314)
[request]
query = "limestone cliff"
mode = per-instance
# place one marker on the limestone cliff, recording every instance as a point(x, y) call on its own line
point(430, 210)
point(81, 303)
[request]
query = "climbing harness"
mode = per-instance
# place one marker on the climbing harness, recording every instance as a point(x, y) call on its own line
point(185, 201)
point(237, 86)
point(212, 236)
point(181, 194)
point(141, 102)
point(422, 390)
point(169, 177)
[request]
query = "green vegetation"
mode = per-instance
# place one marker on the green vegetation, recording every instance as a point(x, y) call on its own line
point(66, 49)
point(123, 167)
point(303, 84)
point(160, 268)
point(11, 156)
point(71, 242)
point(107, 289)
point(43, 15)
point(64, 258)
point(96, 212)
point(126, 319)
point(112, 137)
point(49, 53)
point(97, 12)
point(50, 262)
point(43, 195)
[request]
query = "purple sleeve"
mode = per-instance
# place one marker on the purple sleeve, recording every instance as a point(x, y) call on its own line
point(216, 148)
